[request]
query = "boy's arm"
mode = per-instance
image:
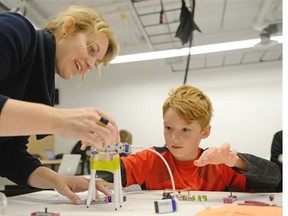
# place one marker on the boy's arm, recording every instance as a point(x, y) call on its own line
point(261, 173)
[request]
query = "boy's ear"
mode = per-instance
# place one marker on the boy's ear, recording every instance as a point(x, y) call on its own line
point(206, 131)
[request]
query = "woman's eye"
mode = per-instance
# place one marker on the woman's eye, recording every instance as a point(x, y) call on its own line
point(91, 49)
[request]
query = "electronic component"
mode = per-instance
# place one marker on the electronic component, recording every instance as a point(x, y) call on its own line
point(167, 195)
point(193, 197)
point(179, 195)
point(165, 205)
point(185, 197)
point(271, 197)
point(202, 197)
point(110, 199)
point(116, 147)
point(230, 199)
point(46, 213)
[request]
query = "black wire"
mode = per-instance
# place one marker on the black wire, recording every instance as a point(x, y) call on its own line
point(190, 43)
point(161, 12)
point(188, 62)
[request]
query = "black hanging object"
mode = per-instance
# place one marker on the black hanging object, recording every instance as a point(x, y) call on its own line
point(161, 13)
point(187, 24)
point(161, 17)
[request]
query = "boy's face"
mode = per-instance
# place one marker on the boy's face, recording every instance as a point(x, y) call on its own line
point(182, 139)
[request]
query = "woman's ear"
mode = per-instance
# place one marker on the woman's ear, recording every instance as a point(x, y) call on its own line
point(206, 131)
point(68, 27)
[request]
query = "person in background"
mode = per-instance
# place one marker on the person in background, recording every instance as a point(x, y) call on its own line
point(83, 152)
point(187, 113)
point(69, 45)
point(276, 155)
point(85, 156)
point(125, 137)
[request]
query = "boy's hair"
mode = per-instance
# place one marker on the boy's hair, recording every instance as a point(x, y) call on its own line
point(86, 20)
point(190, 104)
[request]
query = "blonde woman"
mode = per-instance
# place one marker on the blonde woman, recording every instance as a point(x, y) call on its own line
point(71, 44)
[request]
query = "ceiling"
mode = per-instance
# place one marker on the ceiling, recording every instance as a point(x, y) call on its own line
point(138, 27)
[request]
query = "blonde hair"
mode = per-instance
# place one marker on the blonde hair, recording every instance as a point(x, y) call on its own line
point(86, 20)
point(125, 136)
point(190, 104)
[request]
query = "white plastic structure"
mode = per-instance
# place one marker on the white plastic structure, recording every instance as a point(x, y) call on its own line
point(107, 159)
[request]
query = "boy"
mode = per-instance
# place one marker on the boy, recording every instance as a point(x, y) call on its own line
point(187, 113)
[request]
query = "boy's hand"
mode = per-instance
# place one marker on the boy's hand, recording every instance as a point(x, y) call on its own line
point(222, 155)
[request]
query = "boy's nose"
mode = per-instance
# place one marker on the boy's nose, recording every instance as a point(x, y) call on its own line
point(175, 136)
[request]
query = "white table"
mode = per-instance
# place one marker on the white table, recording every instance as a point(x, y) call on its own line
point(139, 203)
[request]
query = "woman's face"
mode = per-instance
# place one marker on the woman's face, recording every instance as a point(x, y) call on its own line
point(182, 139)
point(77, 54)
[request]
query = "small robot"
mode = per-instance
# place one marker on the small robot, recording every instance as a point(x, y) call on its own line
point(107, 158)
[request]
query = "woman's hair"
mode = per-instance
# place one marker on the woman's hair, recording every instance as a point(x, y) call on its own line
point(190, 104)
point(86, 20)
point(125, 136)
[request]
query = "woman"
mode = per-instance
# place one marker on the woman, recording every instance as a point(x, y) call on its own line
point(70, 44)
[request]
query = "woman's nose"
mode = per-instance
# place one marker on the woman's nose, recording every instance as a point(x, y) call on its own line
point(90, 63)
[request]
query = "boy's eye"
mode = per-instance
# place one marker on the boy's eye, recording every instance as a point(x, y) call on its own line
point(167, 127)
point(185, 130)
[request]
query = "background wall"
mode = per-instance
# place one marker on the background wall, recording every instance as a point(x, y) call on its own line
point(247, 101)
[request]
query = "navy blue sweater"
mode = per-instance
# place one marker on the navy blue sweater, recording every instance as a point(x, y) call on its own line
point(27, 73)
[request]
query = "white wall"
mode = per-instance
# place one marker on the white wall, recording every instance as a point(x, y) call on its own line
point(247, 101)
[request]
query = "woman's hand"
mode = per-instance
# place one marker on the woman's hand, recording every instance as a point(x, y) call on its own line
point(46, 178)
point(25, 118)
point(84, 124)
point(69, 185)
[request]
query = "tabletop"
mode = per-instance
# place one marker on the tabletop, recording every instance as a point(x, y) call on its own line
point(141, 203)
point(51, 162)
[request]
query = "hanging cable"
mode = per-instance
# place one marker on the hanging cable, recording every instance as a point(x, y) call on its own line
point(193, 27)
point(190, 41)
point(188, 62)
point(161, 13)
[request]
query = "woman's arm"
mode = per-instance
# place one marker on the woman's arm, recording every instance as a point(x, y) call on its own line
point(24, 118)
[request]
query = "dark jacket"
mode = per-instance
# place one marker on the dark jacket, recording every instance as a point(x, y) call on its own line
point(27, 73)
